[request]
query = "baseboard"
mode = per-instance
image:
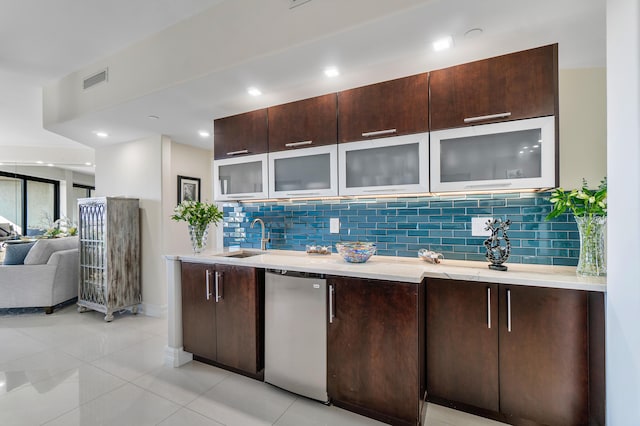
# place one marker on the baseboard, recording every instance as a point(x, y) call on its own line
point(175, 357)
point(152, 310)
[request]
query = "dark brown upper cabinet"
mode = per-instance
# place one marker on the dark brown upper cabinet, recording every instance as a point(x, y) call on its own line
point(303, 124)
point(391, 108)
point(509, 87)
point(242, 134)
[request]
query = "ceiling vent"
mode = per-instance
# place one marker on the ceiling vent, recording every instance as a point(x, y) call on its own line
point(97, 78)
point(296, 3)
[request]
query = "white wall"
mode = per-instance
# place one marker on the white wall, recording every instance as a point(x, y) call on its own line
point(134, 169)
point(188, 161)
point(147, 169)
point(623, 149)
point(583, 126)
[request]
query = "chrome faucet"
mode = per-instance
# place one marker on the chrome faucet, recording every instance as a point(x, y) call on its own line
point(263, 240)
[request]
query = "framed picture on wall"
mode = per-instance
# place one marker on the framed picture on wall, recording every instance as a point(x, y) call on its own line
point(188, 189)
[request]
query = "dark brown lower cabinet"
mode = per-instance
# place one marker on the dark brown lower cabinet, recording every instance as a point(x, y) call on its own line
point(374, 354)
point(222, 312)
point(198, 311)
point(544, 355)
point(521, 354)
point(462, 342)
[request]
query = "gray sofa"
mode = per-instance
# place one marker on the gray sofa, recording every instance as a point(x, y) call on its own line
point(48, 277)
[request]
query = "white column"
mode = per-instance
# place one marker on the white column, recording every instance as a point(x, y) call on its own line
point(623, 153)
point(174, 354)
point(67, 200)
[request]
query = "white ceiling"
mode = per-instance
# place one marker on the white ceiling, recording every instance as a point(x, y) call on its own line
point(42, 41)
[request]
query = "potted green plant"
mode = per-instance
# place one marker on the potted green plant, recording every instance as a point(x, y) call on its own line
point(198, 216)
point(589, 208)
point(63, 227)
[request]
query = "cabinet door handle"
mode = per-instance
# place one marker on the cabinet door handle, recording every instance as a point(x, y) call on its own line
point(487, 117)
point(381, 190)
point(331, 294)
point(379, 132)
point(509, 311)
point(242, 151)
point(298, 194)
point(488, 307)
point(217, 285)
point(208, 289)
point(489, 185)
point(295, 144)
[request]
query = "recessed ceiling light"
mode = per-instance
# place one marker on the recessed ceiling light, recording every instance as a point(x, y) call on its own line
point(331, 72)
point(40, 162)
point(536, 146)
point(443, 43)
point(101, 134)
point(87, 163)
point(525, 147)
point(521, 152)
point(50, 164)
point(204, 134)
point(254, 91)
point(153, 117)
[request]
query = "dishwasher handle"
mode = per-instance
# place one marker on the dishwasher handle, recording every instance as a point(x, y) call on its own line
point(297, 274)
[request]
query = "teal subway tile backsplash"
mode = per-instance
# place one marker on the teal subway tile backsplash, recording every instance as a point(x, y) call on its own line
point(400, 226)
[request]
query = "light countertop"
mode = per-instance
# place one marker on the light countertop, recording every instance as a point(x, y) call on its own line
point(406, 269)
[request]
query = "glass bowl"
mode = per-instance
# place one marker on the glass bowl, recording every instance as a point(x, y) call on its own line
point(356, 252)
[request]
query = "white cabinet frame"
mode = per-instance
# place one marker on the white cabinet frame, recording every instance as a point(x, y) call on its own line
point(547, 147)
point(218, 184)
point(422, 139)
point(332, 150)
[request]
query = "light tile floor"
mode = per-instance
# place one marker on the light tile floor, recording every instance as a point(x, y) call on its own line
point(74, 369)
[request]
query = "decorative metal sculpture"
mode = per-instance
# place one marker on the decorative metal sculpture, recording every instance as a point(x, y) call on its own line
point(496, 253)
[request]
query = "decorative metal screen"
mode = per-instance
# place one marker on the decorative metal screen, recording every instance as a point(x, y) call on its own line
point(93, 252)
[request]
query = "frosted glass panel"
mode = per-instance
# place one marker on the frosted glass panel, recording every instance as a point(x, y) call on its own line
point(389, 165)
point(40, 206)
point(302, 173)
point(11, 201)
point(240, 178)
point(511, 155)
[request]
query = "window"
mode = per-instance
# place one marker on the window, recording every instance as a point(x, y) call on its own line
point(11, 202)
point(80, 191)
point(30, 204)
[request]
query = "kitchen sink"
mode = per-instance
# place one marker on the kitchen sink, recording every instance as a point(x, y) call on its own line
point(243, 254)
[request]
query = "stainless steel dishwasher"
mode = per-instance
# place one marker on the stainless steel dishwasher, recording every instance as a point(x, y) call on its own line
point(295, 349)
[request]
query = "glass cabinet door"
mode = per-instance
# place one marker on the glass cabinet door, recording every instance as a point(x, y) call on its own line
point(517, 154)
point(240, 178)
point(309, 172)
point(393, 165)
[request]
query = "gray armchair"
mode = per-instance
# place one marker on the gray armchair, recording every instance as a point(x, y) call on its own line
point(48, 277)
